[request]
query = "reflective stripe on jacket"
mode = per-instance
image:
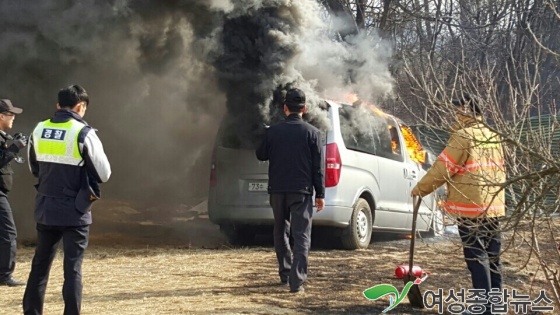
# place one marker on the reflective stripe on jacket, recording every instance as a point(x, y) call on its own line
point(472, 166)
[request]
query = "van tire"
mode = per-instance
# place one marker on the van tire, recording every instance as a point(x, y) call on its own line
point(238, 235)
point(358, 234)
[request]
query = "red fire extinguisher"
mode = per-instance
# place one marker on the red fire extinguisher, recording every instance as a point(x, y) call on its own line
point(401, 271)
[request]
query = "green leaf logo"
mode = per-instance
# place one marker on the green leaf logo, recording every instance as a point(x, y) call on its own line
point(381, 290)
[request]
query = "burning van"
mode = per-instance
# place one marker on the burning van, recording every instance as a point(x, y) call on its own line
point(372, 161)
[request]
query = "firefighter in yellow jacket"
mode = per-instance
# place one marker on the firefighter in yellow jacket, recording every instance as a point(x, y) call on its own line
point(472, 166)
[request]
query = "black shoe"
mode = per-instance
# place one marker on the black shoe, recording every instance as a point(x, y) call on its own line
point(12, 282)
point(298, 290)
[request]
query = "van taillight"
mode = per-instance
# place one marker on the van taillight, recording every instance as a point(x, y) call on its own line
point(213, 178)
point(333, 165)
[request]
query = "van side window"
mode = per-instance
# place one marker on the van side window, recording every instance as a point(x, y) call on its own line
point(391, 146)
point(356, 126)
point(369, 131)
point(395, 142)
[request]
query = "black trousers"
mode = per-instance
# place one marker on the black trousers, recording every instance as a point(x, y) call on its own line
point(292, 214)
point(74, 243)
point(481, 246)
point(8, 244)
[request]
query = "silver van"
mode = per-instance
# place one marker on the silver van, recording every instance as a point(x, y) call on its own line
point(372, 161)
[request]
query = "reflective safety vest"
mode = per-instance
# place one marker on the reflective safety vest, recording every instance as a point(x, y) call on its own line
point(58, 142)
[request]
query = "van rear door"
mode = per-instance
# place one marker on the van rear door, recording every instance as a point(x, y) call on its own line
point(241, 179)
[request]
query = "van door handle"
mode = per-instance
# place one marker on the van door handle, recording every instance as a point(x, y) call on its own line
point(405, 173)
point(413, 174)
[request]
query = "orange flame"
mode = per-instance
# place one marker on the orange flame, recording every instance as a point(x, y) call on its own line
point(413, 146)
point(378, 111)
point(394, 145)
point(351, 98)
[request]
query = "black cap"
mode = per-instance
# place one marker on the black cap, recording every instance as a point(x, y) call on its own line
point(295, 98)
point(468, 100)
point(6, 106)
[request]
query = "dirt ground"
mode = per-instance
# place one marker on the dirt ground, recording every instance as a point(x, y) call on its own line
point(142, 263)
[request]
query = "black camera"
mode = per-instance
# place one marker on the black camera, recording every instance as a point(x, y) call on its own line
point(19, 136)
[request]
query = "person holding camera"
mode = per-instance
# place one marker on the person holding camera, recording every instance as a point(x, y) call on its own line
point(8, 232)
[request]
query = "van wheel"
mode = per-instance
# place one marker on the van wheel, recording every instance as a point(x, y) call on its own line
point(358, 234)
point(238, 235)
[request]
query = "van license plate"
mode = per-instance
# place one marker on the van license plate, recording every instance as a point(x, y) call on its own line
point(258, 186)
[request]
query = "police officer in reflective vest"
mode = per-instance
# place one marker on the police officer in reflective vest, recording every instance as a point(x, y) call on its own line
point(8, 233)
point(67, 157)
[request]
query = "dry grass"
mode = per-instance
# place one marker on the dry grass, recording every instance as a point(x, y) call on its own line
point(172, 280)
point(161, 265)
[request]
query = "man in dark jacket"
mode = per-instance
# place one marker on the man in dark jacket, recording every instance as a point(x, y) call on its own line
point(68, 158)
point(293, 149)
point(8, 232)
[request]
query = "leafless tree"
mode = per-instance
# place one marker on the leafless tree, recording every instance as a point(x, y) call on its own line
point(506, 53)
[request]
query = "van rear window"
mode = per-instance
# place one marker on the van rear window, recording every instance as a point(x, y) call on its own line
point(236, 133)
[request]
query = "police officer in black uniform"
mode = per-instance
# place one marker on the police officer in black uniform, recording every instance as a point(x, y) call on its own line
point(293, 149)
point(8, 233)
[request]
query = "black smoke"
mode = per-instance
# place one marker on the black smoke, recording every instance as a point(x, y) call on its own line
point(253, 60)
point(161, 75)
